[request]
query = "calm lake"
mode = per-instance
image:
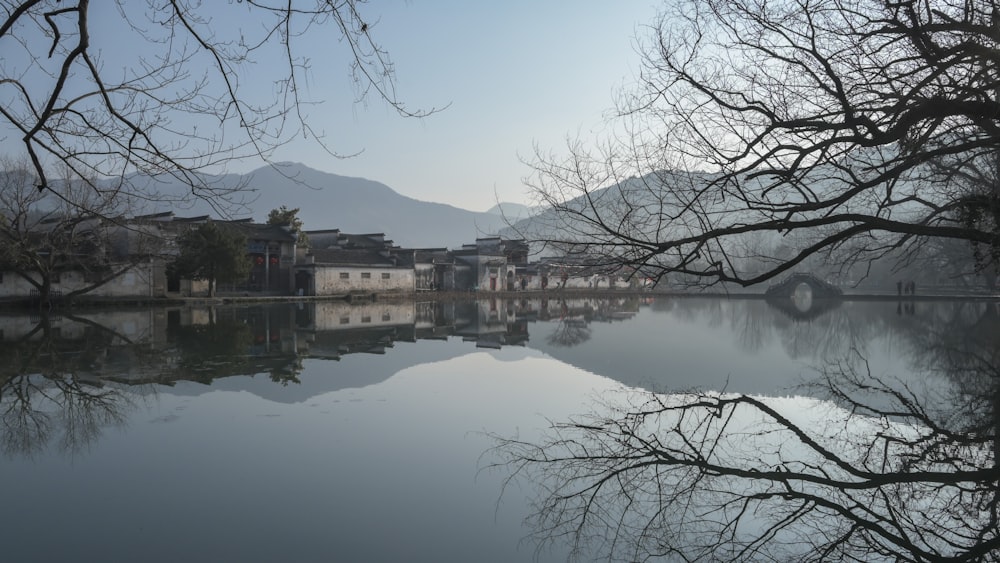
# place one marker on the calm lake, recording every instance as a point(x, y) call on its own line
point(365, 432)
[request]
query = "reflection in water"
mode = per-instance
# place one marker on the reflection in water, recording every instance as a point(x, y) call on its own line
point(65, 378)
point(570, 332)
point(56, 366)
point(38, 409)
point(50, 389)
point(869, 459)
point(802, 297)
point(898, 467)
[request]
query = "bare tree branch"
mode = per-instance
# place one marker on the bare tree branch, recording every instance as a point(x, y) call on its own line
point(194, 94)
point(809, 131)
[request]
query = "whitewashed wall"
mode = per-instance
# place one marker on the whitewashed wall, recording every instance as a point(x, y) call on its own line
point(136, 282)
point(487, 273)
point(329, 280)
point(13, 285)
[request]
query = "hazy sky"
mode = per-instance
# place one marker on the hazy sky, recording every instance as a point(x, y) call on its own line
point(516, 73)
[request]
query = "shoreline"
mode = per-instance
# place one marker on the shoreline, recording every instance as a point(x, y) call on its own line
point(84, 302)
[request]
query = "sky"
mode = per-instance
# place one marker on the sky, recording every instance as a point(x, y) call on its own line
point(513, 75)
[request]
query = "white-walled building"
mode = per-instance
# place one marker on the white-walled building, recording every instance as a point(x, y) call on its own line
point(335, 271)
point(136, 280)
point(490, 264)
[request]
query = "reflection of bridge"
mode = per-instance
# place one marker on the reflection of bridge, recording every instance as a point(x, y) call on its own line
point(804, 296)
point(796, 311)
point(792, 285)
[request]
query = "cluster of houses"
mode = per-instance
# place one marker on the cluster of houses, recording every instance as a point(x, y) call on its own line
point(333, 263)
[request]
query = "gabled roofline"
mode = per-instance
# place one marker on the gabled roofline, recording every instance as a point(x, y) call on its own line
point(155, 215)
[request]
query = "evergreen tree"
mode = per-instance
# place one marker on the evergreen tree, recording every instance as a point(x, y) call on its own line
point(214, 253)
point(290, 217)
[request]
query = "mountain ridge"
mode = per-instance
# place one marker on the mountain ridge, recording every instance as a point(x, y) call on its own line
point(331, 201)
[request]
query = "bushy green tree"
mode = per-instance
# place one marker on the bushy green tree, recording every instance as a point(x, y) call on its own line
point(290, 217)
point(212, 252)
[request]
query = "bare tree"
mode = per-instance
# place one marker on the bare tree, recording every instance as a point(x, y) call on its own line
point(82, 233)
point(764, 135)
point(117, 89)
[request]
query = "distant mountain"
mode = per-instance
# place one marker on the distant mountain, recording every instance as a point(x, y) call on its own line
point(512, 211)
point(634, 202)
point(329, 201)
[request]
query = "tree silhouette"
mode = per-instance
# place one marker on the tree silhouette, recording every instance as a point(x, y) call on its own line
point(764, 136)
point(115, 89)
point(80, 233)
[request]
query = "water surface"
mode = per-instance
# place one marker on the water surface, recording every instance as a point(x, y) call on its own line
point(338, 432)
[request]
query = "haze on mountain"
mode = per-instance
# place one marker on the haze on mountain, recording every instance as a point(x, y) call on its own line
point(330, 201)
point(512, 211)
point(627, 222)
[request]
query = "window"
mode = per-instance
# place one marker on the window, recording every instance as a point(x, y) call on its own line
point(366, 319)
point(385, 275)
point(366, 275)
point(345, 320)
point(386, 317)
point(345, 275)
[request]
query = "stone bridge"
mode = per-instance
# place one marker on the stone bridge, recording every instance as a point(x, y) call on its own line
point(797, 284)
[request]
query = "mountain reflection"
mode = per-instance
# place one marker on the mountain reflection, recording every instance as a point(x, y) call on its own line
point(864, 464)
point(66, 377)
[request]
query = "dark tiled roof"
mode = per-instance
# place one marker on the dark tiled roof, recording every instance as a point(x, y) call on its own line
point(351, 257)
point(373, 240)
point(432, 255)
point(257, 231)
point(161, 215)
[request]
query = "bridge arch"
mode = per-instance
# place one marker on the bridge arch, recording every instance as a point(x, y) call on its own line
point(793, 284)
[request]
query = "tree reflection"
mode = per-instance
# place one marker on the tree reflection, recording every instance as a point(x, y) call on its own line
point(66, 379)
point(873, 467)
point(206, 351)
point(233, 342)
point(38, 409)
point(575, 316)
point(569, 332)
point(288, 373)
point(47, 392)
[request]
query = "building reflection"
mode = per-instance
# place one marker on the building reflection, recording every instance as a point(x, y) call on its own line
point(66, 376)
point(167, 345)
